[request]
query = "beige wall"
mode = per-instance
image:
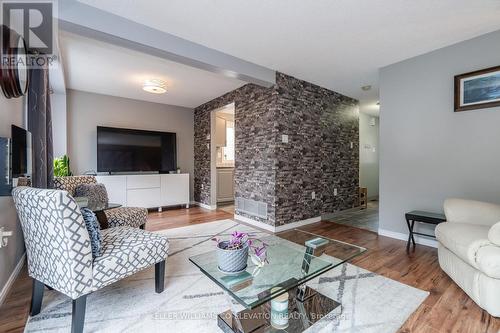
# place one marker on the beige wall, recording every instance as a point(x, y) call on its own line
point(11, 112)
point(86, 111)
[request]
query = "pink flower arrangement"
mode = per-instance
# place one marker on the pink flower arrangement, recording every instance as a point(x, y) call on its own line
point(238, 240)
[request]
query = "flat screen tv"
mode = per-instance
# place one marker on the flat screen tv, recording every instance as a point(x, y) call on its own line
point(130, 150)
point(21, 152)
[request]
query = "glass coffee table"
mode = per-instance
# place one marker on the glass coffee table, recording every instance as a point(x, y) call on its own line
point(295, 257)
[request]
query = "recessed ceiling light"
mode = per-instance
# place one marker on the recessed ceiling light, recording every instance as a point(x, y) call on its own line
point(155, 86)
point(366, 88)
point(378, 103)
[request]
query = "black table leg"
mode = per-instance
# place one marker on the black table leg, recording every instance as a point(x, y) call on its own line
point(411, 224)
point(102, 218)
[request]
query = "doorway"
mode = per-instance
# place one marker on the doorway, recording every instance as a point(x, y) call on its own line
point(223, 157)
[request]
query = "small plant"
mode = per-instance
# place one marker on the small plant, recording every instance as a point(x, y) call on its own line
point(61, 166)
point(238, 241)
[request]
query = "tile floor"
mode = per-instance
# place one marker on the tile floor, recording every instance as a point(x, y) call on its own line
point(363, 218)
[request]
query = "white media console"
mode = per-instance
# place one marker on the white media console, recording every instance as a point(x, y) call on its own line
point(148, 191)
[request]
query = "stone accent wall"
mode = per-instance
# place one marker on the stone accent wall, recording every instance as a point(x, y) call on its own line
point(254, 171)
point(320, 124)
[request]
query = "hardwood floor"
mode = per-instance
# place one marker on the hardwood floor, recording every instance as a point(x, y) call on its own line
point(447, 309)
point(175, 218)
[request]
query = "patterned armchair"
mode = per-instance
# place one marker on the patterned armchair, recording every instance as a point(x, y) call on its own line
point(122, 216)
point(59, 252)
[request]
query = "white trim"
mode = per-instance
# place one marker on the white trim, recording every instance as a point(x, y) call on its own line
point(271, 228)
point(258, 224)
point(202, 205)
point(12, 278)
point(402, 236)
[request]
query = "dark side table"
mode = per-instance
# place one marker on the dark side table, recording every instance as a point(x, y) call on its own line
point(423, 217)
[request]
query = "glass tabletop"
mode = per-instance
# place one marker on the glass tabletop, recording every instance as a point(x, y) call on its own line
point(432, 215)
point(97, 207)
point(294, 257)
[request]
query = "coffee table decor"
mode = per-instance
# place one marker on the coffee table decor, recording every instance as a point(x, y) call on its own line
point(272, 294)
point(232, 255)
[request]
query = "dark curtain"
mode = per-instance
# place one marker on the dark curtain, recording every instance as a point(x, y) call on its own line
point(40, 126)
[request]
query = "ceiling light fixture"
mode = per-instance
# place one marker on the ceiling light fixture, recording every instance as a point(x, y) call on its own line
point(155, 86)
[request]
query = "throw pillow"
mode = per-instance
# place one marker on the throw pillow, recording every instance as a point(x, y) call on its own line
point(94, 230)
point(96, 193)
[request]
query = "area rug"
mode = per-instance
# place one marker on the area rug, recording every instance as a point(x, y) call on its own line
point(191, 301)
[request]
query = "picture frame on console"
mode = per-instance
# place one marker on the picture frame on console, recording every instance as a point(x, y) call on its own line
point(477, 90)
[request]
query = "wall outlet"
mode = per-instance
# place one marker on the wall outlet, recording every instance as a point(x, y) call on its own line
point(352, 145)
point(335, 192)
point(3, 237)
point(313, 195)
point(208, 136)
point(284, 138)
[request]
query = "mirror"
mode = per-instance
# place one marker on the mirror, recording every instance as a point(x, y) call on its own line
point(14, 67)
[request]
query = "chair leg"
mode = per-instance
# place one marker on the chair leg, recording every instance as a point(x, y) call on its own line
point(78, 315)
point(160, 277)
point(36, 297)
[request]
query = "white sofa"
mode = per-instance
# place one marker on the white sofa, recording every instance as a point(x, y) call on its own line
point(469, 250)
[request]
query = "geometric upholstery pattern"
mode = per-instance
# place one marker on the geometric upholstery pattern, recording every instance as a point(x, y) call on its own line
point(120, 245)
point(126, 216)
point(58, 245)
point(57, 241)
point(70, 183)
point(117, 217)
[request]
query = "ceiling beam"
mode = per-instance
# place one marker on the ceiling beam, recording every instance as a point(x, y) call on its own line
point(88, 21)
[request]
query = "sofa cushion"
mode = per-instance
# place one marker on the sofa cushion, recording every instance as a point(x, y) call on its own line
point(126, 251)
point(494, 234)
point(463, 239)
point(126, 216)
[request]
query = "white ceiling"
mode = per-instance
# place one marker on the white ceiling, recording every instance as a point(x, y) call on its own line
point(98, 67)
point(338, 44)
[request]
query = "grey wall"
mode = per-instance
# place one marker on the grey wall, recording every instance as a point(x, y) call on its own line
point(11, 112)
point(320, 124)
point(428, 152)
point(86, 111)
point(368, 158)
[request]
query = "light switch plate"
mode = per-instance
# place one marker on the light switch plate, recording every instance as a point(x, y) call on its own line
point(284, 138)
point(208, 136)
point(335, 192)
point(313, 195)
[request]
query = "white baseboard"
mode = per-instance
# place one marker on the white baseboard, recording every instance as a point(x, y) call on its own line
point(202, 205)
point(402, 236)
point(272, 228)
point(12, 278)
